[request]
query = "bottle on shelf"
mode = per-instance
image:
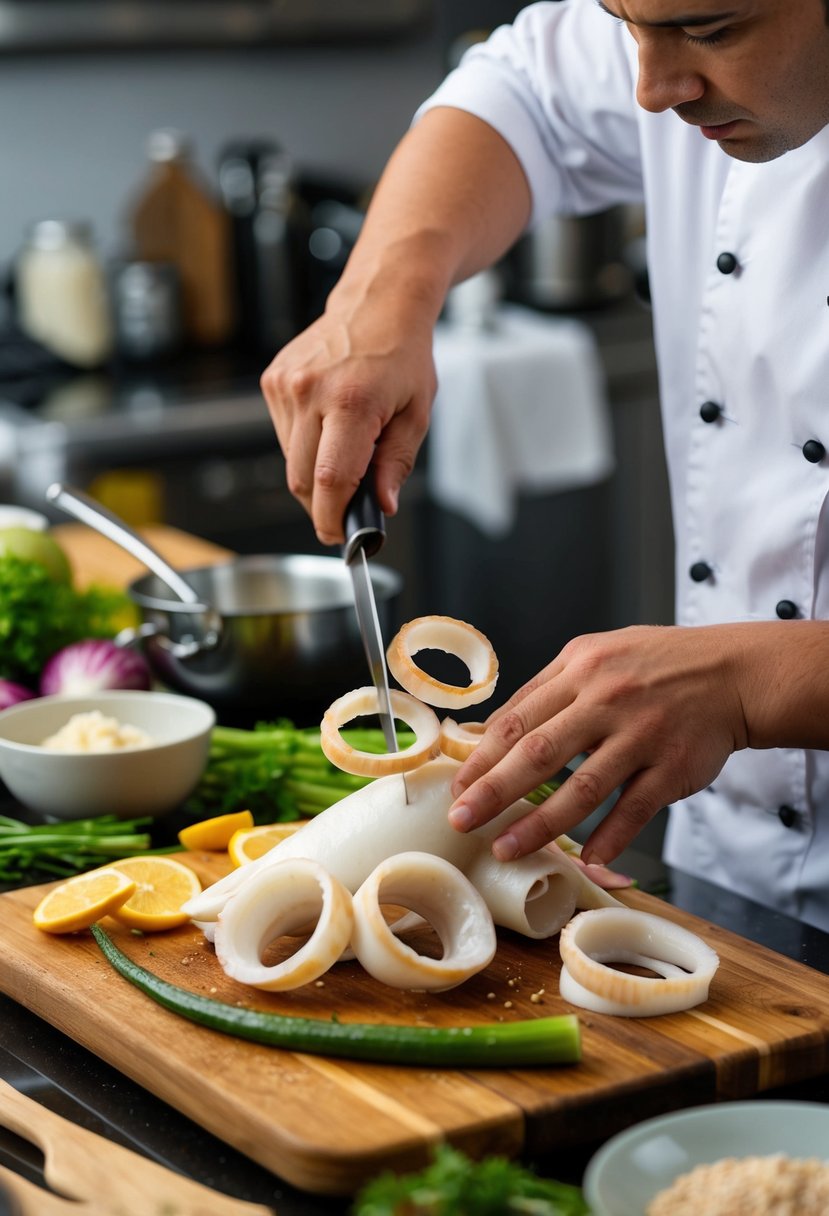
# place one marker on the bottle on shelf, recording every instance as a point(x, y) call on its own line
point(270, 227)
point(176, 220)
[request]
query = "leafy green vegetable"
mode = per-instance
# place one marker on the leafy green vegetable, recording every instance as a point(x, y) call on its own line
point(279, 773)
point(39, 616)
point(455, 1186)
point(67, 848)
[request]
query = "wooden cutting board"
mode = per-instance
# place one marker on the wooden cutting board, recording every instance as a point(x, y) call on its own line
point(327, 1125)
point(95, 559)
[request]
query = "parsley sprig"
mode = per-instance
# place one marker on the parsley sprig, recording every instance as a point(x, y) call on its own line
point(455, 1186)
point(39, 616)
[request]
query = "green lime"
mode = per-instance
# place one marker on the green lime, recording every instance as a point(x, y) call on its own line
point(38, 547)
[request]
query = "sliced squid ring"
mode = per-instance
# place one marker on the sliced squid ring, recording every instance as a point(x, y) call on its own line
point(436, 890)
point(422, 720)
point(277, 902)
point(458, 740)
point(575, 994)
point(454, 637)
point(684, 963)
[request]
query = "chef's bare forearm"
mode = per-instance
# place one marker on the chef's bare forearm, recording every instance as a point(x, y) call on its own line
point(786, 683)
point(451, 202)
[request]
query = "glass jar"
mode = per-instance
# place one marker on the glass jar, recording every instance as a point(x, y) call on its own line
point(61, 293)
point(146, 307)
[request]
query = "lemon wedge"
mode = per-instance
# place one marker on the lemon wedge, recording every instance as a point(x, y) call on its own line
point(162, 886)
point(249, 843)
point(215, 833)
point(80, 901)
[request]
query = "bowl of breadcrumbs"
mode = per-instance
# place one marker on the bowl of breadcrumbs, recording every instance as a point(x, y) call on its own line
point(760, 1158)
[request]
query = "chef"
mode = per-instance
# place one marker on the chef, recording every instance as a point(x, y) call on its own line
point(713, 113)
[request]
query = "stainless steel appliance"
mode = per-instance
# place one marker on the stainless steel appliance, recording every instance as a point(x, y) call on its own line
point(572, 262)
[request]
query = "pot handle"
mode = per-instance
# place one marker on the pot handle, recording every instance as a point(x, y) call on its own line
point(75, 502)
point(185, 649)
point(101, 519)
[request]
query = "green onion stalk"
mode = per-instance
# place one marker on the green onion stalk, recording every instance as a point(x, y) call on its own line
point(535, 1042)
point(67, 848)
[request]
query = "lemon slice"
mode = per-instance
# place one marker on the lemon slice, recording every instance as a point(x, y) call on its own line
point(214, 833)
point(162, 886)
point(80, 901)
point(249, 843)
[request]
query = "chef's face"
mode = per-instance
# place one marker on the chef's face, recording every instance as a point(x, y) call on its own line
point(751, 74)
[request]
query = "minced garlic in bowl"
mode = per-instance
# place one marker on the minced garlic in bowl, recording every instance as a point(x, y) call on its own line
point(93, 732)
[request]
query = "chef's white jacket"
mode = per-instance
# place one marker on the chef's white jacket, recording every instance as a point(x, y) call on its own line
point(739, 275)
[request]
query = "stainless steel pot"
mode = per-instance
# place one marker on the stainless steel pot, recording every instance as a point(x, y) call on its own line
point(288, 645)
point(572, 262)
point(258, 638)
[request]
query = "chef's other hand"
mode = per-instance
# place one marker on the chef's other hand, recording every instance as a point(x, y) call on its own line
point(657, 710)
point(353, 389)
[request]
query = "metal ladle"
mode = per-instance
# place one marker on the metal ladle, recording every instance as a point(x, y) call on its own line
point(98, 517)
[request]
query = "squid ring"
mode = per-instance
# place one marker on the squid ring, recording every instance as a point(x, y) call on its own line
point(683, 962)
point(419, 717)
point(459, 739)
point(277, 902)
point(454, 637)
point(436, 890)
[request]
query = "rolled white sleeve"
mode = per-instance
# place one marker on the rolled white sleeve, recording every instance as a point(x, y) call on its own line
point(559, 86)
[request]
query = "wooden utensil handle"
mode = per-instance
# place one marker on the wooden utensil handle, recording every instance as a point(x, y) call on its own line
point(84, 1166)
point(30, 1200)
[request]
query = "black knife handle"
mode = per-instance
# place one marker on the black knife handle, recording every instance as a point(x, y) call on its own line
point(364, 524)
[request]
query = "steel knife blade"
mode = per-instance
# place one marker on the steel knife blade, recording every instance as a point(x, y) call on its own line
point(365, 534)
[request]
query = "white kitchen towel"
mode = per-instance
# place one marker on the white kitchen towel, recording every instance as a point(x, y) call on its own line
point(521, 406)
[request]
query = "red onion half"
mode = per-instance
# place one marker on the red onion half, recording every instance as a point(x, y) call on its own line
point(96, 665)
point(13, 694)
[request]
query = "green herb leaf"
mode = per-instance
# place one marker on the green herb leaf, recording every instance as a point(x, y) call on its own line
point(38, 617)
point(455, 1186)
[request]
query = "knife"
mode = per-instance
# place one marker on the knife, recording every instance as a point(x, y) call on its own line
point(365, 534)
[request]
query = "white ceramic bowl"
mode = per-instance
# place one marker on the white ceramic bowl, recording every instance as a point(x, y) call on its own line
point(22, 517)
point(127, 783)
point(633, 1167)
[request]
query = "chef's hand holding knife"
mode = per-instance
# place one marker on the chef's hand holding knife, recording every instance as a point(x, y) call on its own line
point(332, 418)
